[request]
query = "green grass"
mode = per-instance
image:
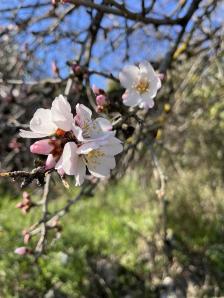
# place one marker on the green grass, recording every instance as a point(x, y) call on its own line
point(103, 250)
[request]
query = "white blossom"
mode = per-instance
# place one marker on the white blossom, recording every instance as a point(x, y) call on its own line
point(141, 83)
point(47, 122)
point(97, 156)
point(75, 143)
point(87, 129)
point(96, 150)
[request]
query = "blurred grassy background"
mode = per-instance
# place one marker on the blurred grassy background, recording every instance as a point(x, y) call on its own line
point(111, 244)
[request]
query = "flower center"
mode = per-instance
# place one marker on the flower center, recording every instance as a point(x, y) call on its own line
point(142, 86)
point(90, 129)
point(94, 155)
point(86, 129)
point(60, 132)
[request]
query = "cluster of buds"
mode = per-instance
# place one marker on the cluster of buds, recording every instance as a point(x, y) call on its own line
point(26, 204)
point(101, 99)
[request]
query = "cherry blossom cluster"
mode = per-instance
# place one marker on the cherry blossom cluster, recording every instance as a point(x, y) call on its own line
point(77, 144)
point(73, 144)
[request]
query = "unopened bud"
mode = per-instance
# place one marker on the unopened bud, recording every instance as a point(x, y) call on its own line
point(22, 250)
point(26, 237)
point(42, 147)
point(101, 100)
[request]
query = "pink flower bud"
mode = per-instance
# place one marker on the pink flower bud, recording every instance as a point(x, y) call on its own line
point(21, 250)
point(101, 100)
point(15, 145)
point(26, 237)
point(42, 147)
point(50, 162)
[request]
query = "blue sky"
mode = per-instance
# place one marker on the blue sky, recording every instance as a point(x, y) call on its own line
point(144, 43)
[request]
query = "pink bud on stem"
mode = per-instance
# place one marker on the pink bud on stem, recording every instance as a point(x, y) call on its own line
point(42, 147)
point(101, 100)
point(22, 251)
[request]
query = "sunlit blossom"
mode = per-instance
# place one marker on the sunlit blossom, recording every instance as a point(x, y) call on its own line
point(141, 83)
point(74, 144)
point(47, 122)
point(97, 156)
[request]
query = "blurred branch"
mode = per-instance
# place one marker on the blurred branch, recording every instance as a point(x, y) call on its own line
point(128, 14)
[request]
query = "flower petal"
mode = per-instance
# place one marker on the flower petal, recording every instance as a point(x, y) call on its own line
point(50, 162)
point(131, 98)
point(77, 132)
point(42, 122)
point(149, 104)
point(104, 124)
point(112, 149)
point(31, 134)
point(83, 116)
point(101, 168)
point(148, 96)
point(61, 113)
point(129, 75)
point(69, 159)
point(147, 69)
point(87, 147)
point(159, 83)
point(81, 172)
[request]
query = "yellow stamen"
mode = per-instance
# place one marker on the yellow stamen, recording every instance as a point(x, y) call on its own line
point(94, 155)
point(142, 86)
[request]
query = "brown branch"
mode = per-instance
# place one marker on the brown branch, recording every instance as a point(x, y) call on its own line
point(38, 174)
point(128, 14)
